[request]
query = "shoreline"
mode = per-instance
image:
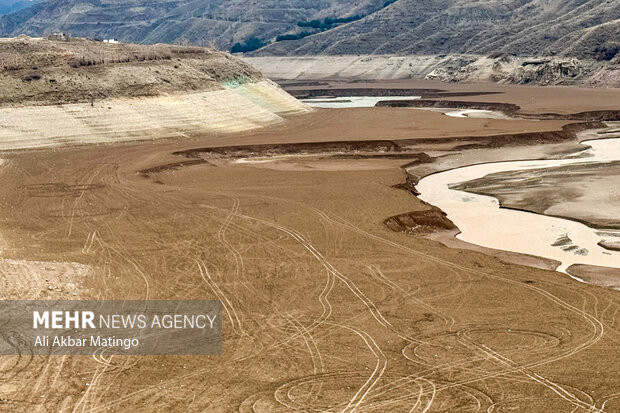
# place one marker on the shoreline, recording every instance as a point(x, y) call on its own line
point(498, 207)
point(252, 105)
point(393, 149)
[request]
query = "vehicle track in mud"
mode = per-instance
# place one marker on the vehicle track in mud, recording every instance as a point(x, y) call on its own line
point(325, 308)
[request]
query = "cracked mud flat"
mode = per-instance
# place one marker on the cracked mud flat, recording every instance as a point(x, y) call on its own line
point(327, 308)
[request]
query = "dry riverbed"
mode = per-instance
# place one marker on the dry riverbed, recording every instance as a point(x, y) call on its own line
point(328, 308)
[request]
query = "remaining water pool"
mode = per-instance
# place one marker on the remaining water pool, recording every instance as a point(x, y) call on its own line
point(483, 222)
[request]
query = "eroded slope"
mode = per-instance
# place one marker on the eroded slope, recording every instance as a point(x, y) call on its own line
point(82, 91)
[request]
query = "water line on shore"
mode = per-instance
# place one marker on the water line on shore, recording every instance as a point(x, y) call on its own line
point(482, 220)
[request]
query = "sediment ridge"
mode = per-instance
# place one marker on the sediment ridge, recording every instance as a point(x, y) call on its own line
point(401, 148)
point(506, 108)
point(430, 220)
point(347, 92)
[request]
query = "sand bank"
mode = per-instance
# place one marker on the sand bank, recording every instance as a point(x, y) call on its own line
point(235, 108)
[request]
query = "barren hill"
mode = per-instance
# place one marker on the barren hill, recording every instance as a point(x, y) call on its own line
point(576, 28)
point(225, 22)
point(82, 91)
point(580, 28)
point(516, 41)
point(44, 71)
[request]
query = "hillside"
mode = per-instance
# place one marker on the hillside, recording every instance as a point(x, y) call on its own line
point(576, 28)
point(579, 28)
point(504, 68)
point(225, 22)
point(11, 6)
point(40, 71)
point(82, 91)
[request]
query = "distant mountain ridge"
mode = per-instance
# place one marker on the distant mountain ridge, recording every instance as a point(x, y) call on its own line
point(223, 22)
point(11, 6)
point(575, 28)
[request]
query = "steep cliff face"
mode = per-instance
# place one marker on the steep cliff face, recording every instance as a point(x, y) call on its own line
point(511, 69)
point(607, 76)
